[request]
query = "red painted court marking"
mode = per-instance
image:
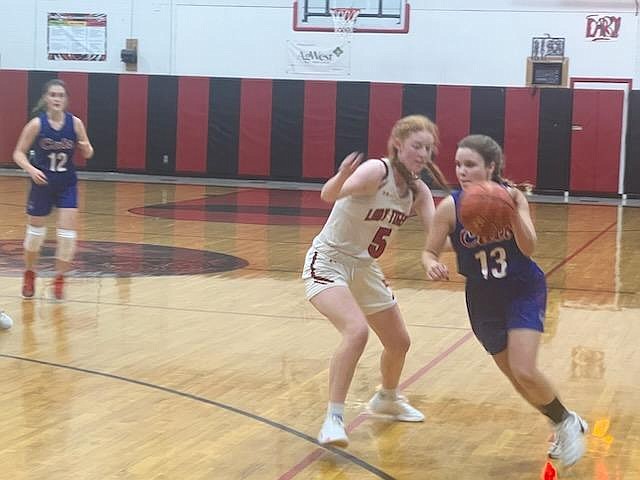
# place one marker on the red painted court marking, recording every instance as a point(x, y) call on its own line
point(581, 249)
point(255, 206)
point(319, 452)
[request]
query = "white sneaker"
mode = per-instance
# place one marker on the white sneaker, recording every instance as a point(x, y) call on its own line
point(5, 321)
point(554, 450)
point(569, 443)
point(398, 408)
point(333, 432)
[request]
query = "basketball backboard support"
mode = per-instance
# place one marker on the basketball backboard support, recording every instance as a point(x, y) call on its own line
point(375, 16)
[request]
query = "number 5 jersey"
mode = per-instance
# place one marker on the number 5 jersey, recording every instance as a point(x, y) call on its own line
point(362, 227)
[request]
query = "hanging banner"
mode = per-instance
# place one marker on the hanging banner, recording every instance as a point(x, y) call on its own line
point(310, 58)
point(77, 36)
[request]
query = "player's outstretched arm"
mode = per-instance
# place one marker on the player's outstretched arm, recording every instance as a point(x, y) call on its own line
point(521, 223)
point(354, 178)
point(443, 224)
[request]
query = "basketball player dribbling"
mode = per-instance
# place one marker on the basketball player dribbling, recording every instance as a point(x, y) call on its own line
point(342, 278)
point(506, 291)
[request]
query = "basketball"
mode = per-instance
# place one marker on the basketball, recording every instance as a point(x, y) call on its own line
point(486, 208)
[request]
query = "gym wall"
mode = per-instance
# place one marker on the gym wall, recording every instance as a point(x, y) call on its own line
point(246, 116)
point(300, 130)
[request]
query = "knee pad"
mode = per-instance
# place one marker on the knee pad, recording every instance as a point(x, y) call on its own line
point(66, 244)
point(34, 238)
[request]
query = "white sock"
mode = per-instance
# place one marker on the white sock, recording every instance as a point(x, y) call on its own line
point(388, 394)
point(335, 409)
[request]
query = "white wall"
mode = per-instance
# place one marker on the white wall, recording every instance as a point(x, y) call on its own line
point(23, 37)
point(17, 35)
point(450, 41)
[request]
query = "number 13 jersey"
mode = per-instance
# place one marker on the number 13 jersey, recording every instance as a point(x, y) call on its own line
point(482, 259)
point(362, 226)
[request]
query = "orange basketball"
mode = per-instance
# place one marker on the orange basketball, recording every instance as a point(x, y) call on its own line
point(486, 208)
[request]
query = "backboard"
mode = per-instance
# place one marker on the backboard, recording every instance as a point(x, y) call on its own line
point(376, 16)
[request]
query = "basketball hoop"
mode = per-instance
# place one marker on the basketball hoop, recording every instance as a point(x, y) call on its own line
point(344, 19)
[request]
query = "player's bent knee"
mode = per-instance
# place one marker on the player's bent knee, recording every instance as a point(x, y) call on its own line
point(525, 376)
point(357, 336)
point(66, 244)
point(34, 238)
point(403, 344)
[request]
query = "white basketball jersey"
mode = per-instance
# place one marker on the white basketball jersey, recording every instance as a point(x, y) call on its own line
point(362, 227)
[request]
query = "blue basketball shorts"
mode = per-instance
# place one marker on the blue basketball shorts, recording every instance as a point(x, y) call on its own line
point(59, 193)
point(495, 307)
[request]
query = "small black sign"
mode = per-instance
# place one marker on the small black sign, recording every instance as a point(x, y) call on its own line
point(547, 73)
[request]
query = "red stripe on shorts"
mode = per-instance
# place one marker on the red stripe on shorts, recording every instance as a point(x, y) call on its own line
point(317, 278)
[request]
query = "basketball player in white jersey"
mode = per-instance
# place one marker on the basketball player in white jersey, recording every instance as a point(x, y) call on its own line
point(342, 278)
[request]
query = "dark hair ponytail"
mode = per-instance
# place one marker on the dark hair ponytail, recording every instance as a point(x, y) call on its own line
point(491, 152)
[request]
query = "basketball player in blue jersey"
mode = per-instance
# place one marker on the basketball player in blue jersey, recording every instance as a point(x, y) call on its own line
point(505, 290)
point(343, 280)
point(55, 134)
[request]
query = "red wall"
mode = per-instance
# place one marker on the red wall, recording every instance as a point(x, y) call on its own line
point(313, 154)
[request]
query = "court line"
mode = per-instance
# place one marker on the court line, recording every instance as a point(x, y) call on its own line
point(316, 454)
point(581, 249)
point(319, 452)
point(352, 426)
point(280, 426)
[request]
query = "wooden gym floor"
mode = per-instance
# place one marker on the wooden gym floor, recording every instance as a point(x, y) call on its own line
point(186, 349)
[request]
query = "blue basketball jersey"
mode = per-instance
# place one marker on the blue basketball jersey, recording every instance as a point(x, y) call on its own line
point(487, 259)
point(54, 149)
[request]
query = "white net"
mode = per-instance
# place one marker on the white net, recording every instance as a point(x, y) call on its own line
point(344, 19)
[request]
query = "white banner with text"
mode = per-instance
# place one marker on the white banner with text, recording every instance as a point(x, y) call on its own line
point(311, 58)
